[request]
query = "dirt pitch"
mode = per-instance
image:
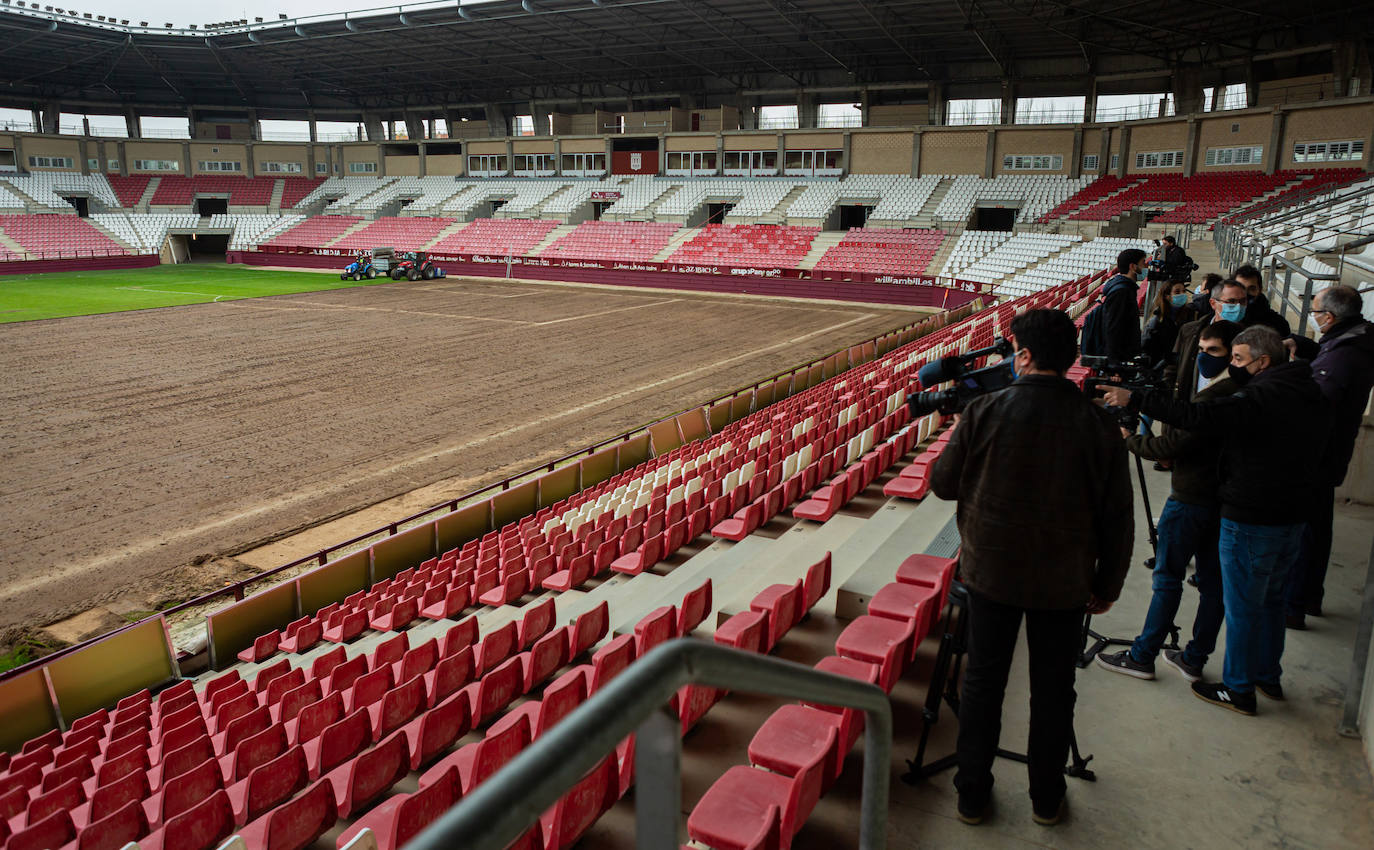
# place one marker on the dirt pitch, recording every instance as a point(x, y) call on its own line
point(139, 448)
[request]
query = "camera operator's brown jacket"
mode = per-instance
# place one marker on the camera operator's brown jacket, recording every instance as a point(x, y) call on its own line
point(1045, 511)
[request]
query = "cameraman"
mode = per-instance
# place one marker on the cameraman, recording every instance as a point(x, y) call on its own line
point(1189, 527)
point(1263, 503)
point(1046, 519)
point(1177, 265)
point(1120, 309)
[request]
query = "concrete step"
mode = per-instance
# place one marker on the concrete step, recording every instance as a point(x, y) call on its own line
point(278, 188)
point(927, 210)
point(10, 245)
point(823, 242)
point(554, 235)
point(146, 200)
point(912, 533)
point(680, 238)
point(356, 227)
point(447, 231)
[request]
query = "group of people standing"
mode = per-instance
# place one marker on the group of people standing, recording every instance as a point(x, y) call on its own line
point(1257, 428)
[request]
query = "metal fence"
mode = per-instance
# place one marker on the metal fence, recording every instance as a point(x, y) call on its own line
point(504, 807)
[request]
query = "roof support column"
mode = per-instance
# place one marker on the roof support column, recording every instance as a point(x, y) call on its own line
point(1076, 157)
point(372, 123)
point(807, 110)
point(1251, 84)
point(51, 118)
point(1272, 152)
point(540, 116)
point(311, 122)
point(131, 123)
point(424, 169)
point(497, 125)
point(990, 157)
point(916, 153)
point(1190, 148)
point(1124, 150)
point(254, 126)
point(1187, 89)
point(1090, 102)
point(1008, 103)
point(864, 106)
point(935, 102)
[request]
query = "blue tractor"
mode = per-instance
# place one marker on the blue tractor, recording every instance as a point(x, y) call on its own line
point(360, 268)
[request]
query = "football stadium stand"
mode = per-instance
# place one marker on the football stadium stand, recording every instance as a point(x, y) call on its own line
point(315, 232)
point(883, 251)
point(407, 234)
point(499, 237)
point(610, 240)
point(750, 245)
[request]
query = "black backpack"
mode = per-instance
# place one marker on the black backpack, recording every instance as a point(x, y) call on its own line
point(1094, 340)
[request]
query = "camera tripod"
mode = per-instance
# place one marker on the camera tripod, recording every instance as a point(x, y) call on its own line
point(1101, 641)
point(944, 687)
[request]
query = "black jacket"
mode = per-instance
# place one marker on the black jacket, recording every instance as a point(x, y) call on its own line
point(1343, 366)
point(1182, 371)
point(1045, 507)
point(1121, 317)
point(1196, 459)
point(1260, 313)
point(1161, 332)
point(1261, 483)
point(1176, 263)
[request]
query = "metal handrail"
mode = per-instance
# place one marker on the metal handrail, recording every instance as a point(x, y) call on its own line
point(1304, 308)
point(503, 807)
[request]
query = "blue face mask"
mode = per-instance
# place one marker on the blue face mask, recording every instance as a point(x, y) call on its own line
point(1209, 365)
point(1011, 364)
point(1179, 300)
point(1232, 312)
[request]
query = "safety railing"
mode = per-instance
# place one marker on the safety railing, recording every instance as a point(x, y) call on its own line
point(504, 807)
point(1280, 265)
point(1247, 241)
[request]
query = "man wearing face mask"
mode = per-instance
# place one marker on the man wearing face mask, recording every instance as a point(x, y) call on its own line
point(1343, 366)
point(1189, 527)
point(1263, 503)
point(1046, 521)
point(1257, 310)
point(1227, 304)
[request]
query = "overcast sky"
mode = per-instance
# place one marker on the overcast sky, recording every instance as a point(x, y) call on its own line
point(181, 13)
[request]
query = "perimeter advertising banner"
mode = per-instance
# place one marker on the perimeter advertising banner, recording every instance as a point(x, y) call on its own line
point(667, 268)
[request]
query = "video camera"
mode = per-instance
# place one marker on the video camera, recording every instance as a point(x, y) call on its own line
point(968, 383)
point(1136, 374)
point(1157, 269)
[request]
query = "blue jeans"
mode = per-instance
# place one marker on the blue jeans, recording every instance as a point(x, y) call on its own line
point(1255, 560)
point(1185, 532)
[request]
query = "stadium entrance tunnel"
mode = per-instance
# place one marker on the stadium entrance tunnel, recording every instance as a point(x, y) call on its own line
point(855, 215)
point(200, 248)
point(994, 218)
point(211, 206)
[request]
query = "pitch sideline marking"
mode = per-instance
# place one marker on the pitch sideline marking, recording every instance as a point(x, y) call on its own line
point(605, 312)
point(178, 292)
point(17, 587)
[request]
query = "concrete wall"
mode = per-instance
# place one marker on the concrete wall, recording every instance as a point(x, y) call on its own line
point(881, 153)
point(51, 146)
point(218, 152)
point(403, 166)
point(544, 145)
point(444, 165)
point(813, 141)
point(149, 150)
point(1326, 124)
point(690, 143)
point(1162, 136)
point(285, 153)
point(954, 152)
point(751, 141)
point(898, 115)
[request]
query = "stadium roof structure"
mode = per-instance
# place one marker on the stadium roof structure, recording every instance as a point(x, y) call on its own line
point(469, 54)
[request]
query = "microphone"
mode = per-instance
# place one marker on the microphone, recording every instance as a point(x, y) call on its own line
point(939, 371)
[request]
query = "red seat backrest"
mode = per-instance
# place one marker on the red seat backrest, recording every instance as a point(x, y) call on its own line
point(496, 690)
point(549, 653)
point(109, 798)
point(590, 628)
point(560, 698)
point(295, 699)
point(400, 705)
point(496, 647)
point(611, 659)
point(503, 741)
point(125, 824)
point(64, 797)
point(370, 687)
point(585, 802)
point(190, 788)
point(419, 660)
point(344, 739)
point(817, 582)
point(267, 675)
point(303, 820)
point(276, 781)
point(442, 725)
point(695, 606)
point(53, 831)
point(536, 623)
point(281, 685)
point(317, 715)
point(390, 651)
point(424, 807)
point(203, 827)
point(121, 765)
point(258, 750)
point(452, 673)
point(182, 759)
point(459, 636)
point(655, 628)
point(375, 771)
point(245, 726)
point(325, 664)
point(344, 675)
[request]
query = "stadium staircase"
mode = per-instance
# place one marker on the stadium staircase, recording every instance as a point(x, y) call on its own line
point(778, 214)
point(352, 228)
point(682, 237)
point(925, 217)
point(274, 203)
point(446, 232)
point(9, 247)
point(551, 237)
point(823, 242)
point(649, 212)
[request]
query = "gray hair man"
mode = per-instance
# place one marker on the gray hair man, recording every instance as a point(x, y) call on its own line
point(1343, 366)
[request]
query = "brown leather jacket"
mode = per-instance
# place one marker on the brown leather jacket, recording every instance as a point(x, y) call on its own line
point(1046, 513)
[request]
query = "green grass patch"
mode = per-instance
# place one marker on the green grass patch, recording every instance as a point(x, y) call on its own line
point(50, 296)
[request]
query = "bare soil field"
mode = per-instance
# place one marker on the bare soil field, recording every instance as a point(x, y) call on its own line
point(140, 451)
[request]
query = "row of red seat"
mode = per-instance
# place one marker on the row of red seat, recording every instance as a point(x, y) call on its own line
point(497, 236)
point(758, 245)
point(314, 232)
point(58, 235)
point(408, 234)
point(626, 241)
point(178, 190)
point(883, 251)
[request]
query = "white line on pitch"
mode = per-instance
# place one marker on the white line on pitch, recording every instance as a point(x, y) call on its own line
point(328, 306)
point(176, 292)
point(606, 312)
point(142, 547)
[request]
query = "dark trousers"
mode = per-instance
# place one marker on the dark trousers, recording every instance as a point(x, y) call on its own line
point(1053, 638)
point(1307, 580)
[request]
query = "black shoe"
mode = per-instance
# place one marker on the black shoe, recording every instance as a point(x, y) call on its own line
point(973, 811)
point(1174, 658)
point(1273, 692)
point(1122, 662)
point(1313, 610)
point(1218, 694)
point(1296, 622)
point(1049, 815)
